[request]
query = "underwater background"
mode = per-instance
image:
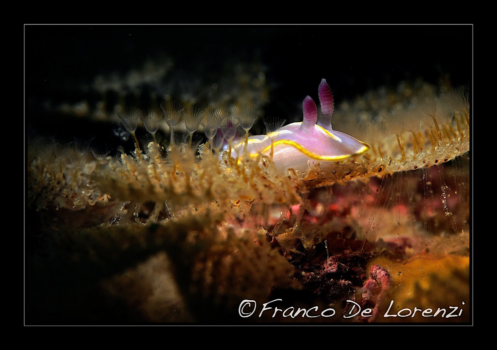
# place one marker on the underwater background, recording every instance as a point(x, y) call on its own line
point(75, 75)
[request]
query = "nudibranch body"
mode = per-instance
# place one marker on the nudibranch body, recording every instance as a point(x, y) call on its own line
point(296, 145)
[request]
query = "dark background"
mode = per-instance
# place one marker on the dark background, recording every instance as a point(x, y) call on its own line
point(59, 59)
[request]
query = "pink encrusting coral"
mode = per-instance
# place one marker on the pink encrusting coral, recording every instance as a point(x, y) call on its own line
point(375, 291)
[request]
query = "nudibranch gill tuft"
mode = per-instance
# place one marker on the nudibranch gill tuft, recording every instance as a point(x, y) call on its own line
point(296, 145)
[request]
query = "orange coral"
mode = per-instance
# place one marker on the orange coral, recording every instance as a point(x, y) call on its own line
point(427, 281)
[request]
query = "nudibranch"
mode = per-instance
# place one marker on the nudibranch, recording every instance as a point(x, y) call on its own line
point(297, 145)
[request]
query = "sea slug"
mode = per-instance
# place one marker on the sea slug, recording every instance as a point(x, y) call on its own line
point(297, 144)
